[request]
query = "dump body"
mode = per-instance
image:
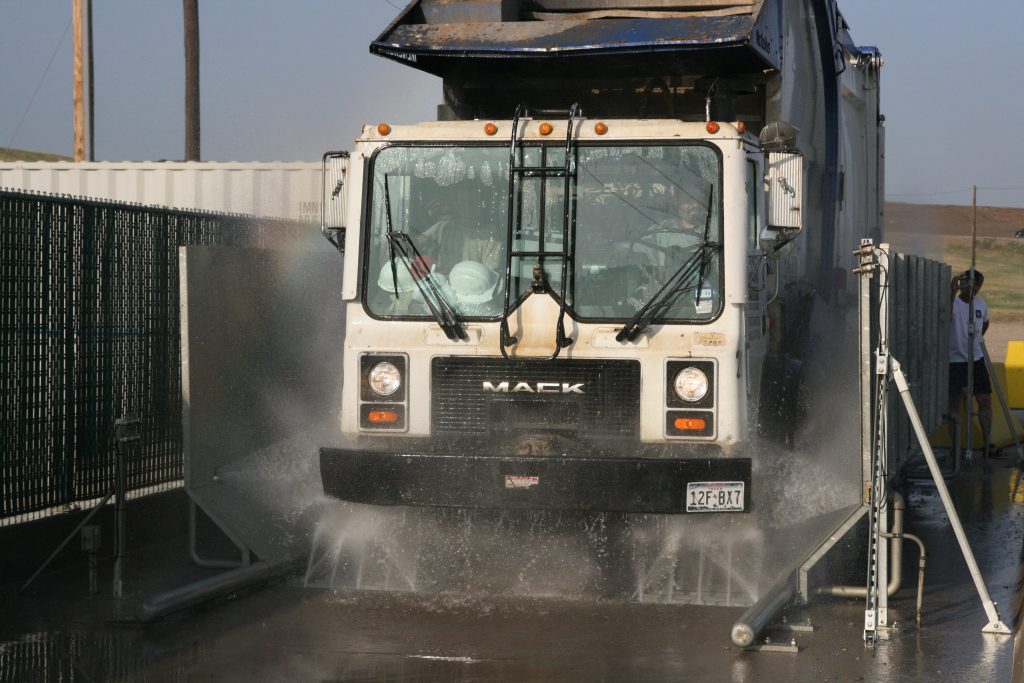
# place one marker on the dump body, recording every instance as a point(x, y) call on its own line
point(597, 309)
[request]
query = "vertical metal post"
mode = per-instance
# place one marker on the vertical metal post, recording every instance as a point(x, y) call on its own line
point(126, 441)
point(878, 596)
point(91, 546)
point(873, 431)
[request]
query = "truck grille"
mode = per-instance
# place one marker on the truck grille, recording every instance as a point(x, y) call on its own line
point(591, 397)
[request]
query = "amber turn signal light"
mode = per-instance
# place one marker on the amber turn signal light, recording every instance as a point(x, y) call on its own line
point(490, 129)
point(383, 128)
point(546, 128)
point(690, 424)
point(712, 127)
point(600, 128)
point(383, 416)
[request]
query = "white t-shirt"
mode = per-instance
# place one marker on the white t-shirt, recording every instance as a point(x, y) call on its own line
point(958, 329)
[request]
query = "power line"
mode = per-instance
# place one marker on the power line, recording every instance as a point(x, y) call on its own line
point(40, 84)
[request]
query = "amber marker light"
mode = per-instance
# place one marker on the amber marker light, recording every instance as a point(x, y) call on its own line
point(600, 128)
point(490, 129)
point(383, 417)
point(383, 128)
point(690, 424)
point(741, 126)
point(712, 127)
point(546, 128)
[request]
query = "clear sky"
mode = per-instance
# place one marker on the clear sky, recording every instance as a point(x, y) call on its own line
point(289, 80)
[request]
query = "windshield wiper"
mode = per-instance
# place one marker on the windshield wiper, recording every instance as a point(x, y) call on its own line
point(680, 281)
point(400, 244)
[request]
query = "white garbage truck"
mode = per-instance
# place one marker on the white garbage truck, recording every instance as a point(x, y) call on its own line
point(589, 284)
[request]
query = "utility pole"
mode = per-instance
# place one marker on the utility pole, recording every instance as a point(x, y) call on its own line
point(90, 108)
point(191, 13)
point(81, 12)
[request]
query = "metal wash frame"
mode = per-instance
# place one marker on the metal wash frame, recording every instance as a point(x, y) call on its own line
point(887, 369)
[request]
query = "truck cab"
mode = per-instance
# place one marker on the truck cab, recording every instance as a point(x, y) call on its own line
point(584, 291)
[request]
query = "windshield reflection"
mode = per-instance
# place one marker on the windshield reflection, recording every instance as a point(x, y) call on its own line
point(641, 212)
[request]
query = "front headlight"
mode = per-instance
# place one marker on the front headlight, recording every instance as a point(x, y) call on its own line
point(385, 379)
point(690, 384)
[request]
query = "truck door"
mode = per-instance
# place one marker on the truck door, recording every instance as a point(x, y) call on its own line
point(757, 281)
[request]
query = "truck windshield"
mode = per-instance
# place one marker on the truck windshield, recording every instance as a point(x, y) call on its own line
point(641, 212)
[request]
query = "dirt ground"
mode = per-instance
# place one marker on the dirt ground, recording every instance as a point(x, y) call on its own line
point(946, 220)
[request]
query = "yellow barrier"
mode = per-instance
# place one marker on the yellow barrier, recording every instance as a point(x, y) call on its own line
point(1001, 434)
point(1015, 374)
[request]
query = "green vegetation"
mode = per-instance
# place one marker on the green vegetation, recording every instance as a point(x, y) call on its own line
point(1002, 262)
point(11, 154)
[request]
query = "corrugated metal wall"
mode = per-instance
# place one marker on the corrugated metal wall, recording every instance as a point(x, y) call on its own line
point(919, 315)
point(89, 332)
point(912, 293)
point(281, 190)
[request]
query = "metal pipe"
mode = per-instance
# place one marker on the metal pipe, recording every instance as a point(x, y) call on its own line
point(761, 613)
point(204, 590)
point(895, 559)
point(920, 574)
point(778, 278)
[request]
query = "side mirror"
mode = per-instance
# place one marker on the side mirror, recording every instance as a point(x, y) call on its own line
point(784, 189)
point(332, 198)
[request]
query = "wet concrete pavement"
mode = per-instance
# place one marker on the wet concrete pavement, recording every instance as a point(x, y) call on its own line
point(289, 632)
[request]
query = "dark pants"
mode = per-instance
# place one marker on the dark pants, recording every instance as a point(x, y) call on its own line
point(958, 378)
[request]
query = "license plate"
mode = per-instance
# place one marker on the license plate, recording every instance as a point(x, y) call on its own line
point(714, 496)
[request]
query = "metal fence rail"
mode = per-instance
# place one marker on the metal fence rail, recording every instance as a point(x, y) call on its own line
point(89, 332)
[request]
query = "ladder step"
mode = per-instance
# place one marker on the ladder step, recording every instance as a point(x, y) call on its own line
point(549, 254)
point(541, 170)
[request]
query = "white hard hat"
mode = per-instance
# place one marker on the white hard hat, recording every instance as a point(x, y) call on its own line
point(386, 279)
point(472, 282)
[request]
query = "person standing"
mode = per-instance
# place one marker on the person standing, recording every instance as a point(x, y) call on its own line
point(964, 350)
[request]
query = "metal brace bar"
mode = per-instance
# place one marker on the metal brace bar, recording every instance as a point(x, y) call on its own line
point(995, 624)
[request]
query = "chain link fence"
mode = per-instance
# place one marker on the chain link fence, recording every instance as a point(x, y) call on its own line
point(89, 332)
